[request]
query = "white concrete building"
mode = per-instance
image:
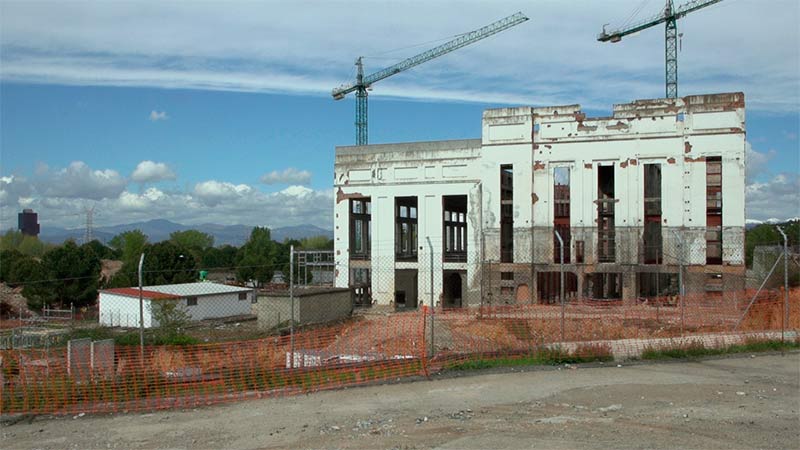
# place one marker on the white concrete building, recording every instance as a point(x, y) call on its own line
point(633, 195)
point(204, 300)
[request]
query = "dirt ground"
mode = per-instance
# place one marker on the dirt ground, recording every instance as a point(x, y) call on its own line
point(738, 402)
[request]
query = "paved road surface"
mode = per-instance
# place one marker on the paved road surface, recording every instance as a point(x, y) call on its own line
point(739, 402)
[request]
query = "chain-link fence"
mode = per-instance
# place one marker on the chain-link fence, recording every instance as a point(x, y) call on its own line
point(391, 314)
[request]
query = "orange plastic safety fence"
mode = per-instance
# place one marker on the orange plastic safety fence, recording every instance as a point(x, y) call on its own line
point(374, 348)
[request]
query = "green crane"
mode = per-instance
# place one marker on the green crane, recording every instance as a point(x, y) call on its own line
point(363, 82)
point(669, 16)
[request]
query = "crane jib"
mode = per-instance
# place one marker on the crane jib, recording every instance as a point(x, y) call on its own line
point(461, 41)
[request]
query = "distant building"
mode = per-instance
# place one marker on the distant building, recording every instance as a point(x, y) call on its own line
point(28, 222)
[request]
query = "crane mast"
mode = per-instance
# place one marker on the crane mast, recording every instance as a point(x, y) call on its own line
point(363, 82)
point(669, 17)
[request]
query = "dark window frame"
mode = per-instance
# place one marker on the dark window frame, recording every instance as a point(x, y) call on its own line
point(360, 213)
point(406, 219)
point(454, 228)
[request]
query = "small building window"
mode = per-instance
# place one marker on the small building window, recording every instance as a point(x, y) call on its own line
point(191, 301)
point(242, 295)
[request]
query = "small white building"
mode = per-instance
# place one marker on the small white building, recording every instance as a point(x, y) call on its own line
point(206, 300)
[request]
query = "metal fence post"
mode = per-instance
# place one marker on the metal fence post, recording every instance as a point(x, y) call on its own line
point(681, 287)
point(430, 246)
point(291, 301)
point(561, 278)
point(785, 321)
point(141, 312)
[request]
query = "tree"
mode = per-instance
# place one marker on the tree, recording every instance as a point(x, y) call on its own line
point(193, 241)
point(130, 244)
point(171, 317)
point(102, 251)
point(71, 274)
point(257, 257)
point(27, 245)
point(767, 234)
point(16, 268)
point(166, 263)
point(11, 240)
point(219, 257)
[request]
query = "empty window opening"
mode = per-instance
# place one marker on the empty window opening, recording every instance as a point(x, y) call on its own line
point(361, 286)
point(360, 229)
point(507, 213)
point(714, 210)
point(561, 213)
point(242, 295)
point(606, 244)
point(605, 285)
point(405, 288)
point(453, 288)
point(714, 282)
point(548, 286)
point(191, 301)
point(406, 228)
point(657, 285)
point(455, 227)
point(507, 276)
point(652, 239)
point(579, 251)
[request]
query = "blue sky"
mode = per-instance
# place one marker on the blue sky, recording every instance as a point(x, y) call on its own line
point(221, 112)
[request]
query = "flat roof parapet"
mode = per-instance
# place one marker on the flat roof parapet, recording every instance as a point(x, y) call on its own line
point(423, 146)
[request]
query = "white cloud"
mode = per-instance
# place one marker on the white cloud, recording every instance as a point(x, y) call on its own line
point(155, 116)
point(756, 161)
point(774, 198)
point(287, 176)
point(553, 58)
point(12, 188)
point(215, 192)
point(78, 180)
point(150, 171)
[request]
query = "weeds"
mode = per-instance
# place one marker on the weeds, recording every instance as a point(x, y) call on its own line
point(698, 349)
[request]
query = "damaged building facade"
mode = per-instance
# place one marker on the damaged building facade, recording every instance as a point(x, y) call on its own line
point(655, 190)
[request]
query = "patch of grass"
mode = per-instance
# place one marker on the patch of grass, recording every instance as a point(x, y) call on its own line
point(544, 357)
point(698, 349)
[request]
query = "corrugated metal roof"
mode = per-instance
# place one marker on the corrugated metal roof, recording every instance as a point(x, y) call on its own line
point(180, 290)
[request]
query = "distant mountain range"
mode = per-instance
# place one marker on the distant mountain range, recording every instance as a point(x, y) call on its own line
point(159, 230)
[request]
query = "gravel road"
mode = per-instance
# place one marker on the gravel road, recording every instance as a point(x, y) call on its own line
point(736, 402)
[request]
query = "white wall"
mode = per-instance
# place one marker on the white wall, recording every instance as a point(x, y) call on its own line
point(122, 311)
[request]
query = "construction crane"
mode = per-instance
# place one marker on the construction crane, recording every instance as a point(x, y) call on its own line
point(669, 16)
point(363, 82)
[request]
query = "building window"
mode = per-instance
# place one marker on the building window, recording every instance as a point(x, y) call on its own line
point(455, 227)
point(561, 213)
point(507, 213)
point(406, 228)
point(714, 210)
point(606, 243)
point(242, 295)
point(652, 240)
point(191, 301)
point(360, 230)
